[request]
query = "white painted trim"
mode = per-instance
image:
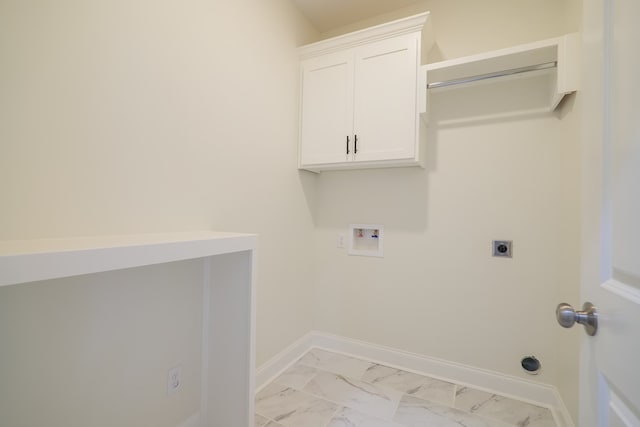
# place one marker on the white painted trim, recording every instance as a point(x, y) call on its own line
point(206, 310)
point(622, 411)
point(438, 368)
point(283, 360)
point(31, 260)
point(398, 27)
point(192, 421)
point(623, 290)
point(251, 389)
point(560, 411)
point(569, 61)
point(525, 390)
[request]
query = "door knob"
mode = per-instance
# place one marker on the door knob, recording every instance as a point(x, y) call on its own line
point(588, 317)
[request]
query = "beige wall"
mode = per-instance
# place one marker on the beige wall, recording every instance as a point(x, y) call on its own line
point(438, 291)
point(141, 116)
point(95, 350)
point(133, 116)
point(465, 27)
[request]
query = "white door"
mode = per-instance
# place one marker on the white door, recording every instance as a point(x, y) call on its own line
point(385, 100)
point(326, 134)
point(610, 361)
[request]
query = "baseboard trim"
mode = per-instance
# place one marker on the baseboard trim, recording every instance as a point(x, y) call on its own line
point(561, 412)
point(283, 360)
point(506, 385)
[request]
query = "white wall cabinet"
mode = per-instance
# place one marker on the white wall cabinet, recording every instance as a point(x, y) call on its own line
point(360, 103)
point(327, 110)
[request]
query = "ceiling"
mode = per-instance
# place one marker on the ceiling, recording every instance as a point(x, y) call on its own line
point(326, 15)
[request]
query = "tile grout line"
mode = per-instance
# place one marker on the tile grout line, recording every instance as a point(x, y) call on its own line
point(342, 405)
point(269, 420)
point(487, 417)
point(333, 415)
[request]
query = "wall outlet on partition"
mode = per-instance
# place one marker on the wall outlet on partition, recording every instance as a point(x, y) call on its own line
point(174, 380)
point(340, 240)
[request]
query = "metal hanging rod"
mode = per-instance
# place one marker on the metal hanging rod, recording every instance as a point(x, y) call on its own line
point(494, 75)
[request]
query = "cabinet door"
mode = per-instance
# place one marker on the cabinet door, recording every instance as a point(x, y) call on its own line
point(385, 101)
point(327, 109)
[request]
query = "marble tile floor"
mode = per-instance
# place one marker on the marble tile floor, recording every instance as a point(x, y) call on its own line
point(325, 389)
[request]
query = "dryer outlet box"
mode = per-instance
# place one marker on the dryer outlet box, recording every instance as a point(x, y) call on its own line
point(503, 248)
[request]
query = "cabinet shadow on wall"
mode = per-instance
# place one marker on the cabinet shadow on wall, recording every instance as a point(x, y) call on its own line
point(396, 197)
point(400, 198)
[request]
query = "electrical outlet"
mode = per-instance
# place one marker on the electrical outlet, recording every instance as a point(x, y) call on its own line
point(174, 379)
point(341, 240)
point(502, 248)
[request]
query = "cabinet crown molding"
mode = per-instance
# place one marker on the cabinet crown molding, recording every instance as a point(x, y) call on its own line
point(411, 24)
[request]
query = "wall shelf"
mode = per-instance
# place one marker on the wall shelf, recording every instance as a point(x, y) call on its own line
point(556, 60)
point(31, 260)
point(225, 271)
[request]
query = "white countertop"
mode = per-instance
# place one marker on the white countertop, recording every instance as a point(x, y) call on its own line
point(30, 260)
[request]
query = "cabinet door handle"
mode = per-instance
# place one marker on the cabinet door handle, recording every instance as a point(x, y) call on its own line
point(355, 144)
point(347, 144)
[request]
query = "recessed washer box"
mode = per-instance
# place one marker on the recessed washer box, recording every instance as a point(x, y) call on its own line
point(366, 240)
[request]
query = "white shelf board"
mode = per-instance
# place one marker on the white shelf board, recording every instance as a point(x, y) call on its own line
point(563, 50)
point(24, 261)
